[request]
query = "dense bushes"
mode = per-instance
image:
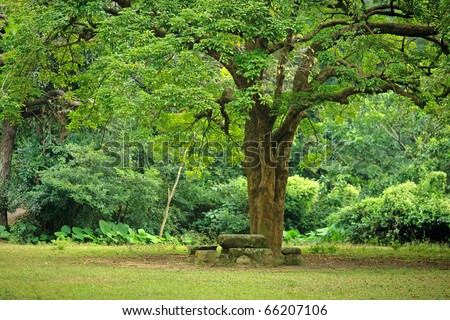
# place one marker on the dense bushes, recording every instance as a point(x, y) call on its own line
point(228, 212)
point(75, 184)
point(403, 213)
point(301, 195)
point(81, 188)
point(66, 196)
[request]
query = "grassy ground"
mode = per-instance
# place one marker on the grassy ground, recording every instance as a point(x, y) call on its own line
point(162, 272)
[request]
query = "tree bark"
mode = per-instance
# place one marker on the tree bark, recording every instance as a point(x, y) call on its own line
point(266, 193)
point(266, 166)
point(9, 132)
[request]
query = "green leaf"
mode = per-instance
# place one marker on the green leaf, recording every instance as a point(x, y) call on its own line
point(153, 239)
point(66, 230)
point(121, 228)
point(4, 234)
point(77, 231)
point(44, 237)
point(105, 227)
point(88, 231)
point(60, 234)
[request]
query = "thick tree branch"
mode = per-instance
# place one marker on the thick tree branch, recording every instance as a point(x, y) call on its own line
point(160, 33)
point(34, 107)
point(390, 7)
point(301, 84)
point(45, 98)
point(320, 27)
point(386, 10)
point(225, 98)
point(240, 81)
point(289, 43)
point(282, 60)
point(440, 42)
point(402, 29)
point(445, 93)
point(111, 10)
point(325, 74)
point(398, 29)
point(389, 13)
point(303, 71)
point(342, 96)
point(290, 123)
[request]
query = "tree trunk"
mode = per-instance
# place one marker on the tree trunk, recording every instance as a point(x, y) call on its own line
point(266, 195)
point(170, 194)
point(267, 168)
point(6, 151)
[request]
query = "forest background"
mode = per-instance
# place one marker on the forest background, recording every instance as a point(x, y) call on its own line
point(119, 126)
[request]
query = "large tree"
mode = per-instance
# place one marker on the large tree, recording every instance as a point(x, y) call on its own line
point(42, 46)
point(286, 57)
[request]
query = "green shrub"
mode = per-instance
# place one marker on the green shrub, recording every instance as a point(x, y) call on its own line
point(25, 230)
point(82, 189)
point(334, 233)
point(4, 234)
point(228, 211)
point(301, 195)
point(194, 238)
point(106, 233)
point(403, 213)
point(291, 237)
point(342, 195)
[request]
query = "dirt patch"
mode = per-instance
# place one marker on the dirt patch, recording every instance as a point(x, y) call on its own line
point(309, 262)
point(330, 262)
point(164, 261)
point(19, 213)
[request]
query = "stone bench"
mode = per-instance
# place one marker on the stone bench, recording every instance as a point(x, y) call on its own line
point(203, 254)
point(227, 241)
point(242, 250)
point(193, 249)
point(292, 255)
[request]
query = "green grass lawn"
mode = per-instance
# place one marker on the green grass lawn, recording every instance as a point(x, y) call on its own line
point(162, 272)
